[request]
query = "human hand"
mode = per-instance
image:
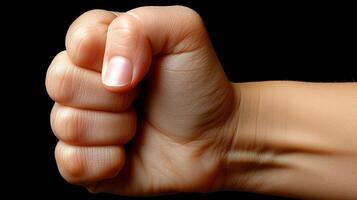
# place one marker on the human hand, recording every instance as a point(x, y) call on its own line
point(176, 139)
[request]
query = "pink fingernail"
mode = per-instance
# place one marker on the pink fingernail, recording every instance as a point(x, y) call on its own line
point(118, 72)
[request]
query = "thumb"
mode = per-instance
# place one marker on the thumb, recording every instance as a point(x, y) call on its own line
point(137, 35)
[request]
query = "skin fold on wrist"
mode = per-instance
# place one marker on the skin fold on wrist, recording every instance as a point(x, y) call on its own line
point(294, 139)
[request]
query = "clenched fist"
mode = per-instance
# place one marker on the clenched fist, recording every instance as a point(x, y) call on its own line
point(176, 138)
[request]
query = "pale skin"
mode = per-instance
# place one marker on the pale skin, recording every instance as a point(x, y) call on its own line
point(192, 129)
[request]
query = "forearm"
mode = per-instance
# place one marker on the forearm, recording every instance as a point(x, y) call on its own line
point(295, 139)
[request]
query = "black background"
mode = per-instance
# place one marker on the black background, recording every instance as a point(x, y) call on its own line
point(256, 41)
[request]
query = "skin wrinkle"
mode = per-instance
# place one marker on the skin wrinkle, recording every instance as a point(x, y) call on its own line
point(180, 68)
point(104, 24)
point(83, 37)
point(256, 144)
point(65, 86)
point(166, 45)
point(210, 117)
point(138, 19)
point(248, 117)
point(105, 30)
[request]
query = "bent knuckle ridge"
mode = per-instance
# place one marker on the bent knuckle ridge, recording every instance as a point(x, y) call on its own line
point(60, 83)
point(71, 161)
point(73, 121)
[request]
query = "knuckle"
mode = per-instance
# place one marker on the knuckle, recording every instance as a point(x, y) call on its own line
point(72, 124)
point(76, 38)
point(117, 160)
point(188, 11)
point(84, 43)
point(128, 25)
point(60, 56)
point(70, 162)
point(82, 28)
point(59, 80)
point(122, 22)
point(92, 12)
point(53, 119)
point(193, 27)
point(191, 16)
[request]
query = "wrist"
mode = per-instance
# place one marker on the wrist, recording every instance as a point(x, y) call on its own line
point(259, 135)
point(242, 156)
point(290, 138)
